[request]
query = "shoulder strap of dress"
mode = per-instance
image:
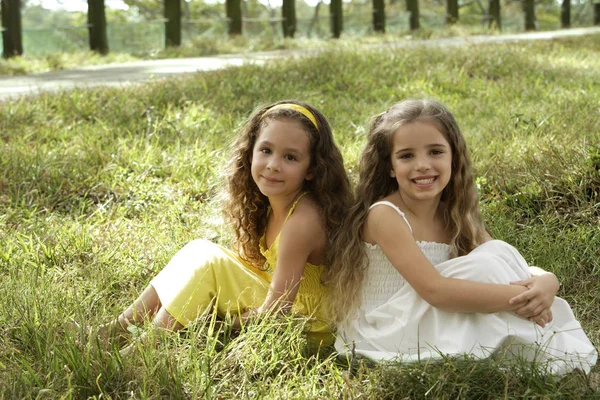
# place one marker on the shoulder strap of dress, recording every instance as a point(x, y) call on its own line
point(295, 204)
point(389, 204)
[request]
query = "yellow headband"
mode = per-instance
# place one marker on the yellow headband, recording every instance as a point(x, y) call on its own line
point(302, 110)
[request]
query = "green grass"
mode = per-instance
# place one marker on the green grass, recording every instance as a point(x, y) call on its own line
point(99, 188)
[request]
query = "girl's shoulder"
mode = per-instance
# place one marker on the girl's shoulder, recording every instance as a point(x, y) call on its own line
point(385, 206)
point(384, 220)
point(305, 227)
point(307, 211)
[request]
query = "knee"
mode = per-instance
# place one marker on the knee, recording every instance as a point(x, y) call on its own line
point(206, 255)
point(200, 246)
point(494, 246)
point(202, 250)
point(476, 266)
point(483, 267)
point(509, 255)
point(194, 254)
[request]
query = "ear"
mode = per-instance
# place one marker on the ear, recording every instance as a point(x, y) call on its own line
point(392, 174)
point(309, 175)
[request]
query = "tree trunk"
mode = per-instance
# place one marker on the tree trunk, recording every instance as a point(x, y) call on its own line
point(173, 25)
point(379, 16)
point(529, 10)
point(97, 26)
point(451, 11)
point(233, 11)
point(315, 18)
point(288, 12)
point(336, 15)
point(565, 14)
point(412, 6)
point(494, 14)
point(187, 15)
point(12, 36)
point(597, 14)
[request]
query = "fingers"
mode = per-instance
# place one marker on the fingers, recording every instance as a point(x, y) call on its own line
point(543, 318)
point(539, 320)
point(531, 309)
point(523, 297)
point(525, 282)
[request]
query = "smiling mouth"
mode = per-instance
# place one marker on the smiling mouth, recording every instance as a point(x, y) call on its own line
point(424, 181)
point(271, 180)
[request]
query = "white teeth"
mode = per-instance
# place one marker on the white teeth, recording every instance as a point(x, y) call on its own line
point(424, 181)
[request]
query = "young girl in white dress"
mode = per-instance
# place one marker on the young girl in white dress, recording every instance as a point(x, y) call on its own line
point(287, 194)
point(428, 279)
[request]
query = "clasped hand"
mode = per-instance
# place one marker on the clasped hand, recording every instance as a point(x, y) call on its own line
point(535, 303)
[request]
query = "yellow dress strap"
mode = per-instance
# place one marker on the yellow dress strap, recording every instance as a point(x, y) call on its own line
point(295, 204)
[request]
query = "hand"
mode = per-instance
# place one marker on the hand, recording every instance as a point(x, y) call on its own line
point(539, 297)
point(543, 318)
point(245, 318)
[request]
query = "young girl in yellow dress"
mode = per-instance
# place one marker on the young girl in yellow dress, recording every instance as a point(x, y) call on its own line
point(287, 192)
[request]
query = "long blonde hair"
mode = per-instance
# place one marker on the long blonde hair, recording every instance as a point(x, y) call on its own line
point(462, 215)
point(246, 207)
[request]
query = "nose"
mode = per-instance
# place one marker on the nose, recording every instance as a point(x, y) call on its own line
point(273, 164)
point(423, 164)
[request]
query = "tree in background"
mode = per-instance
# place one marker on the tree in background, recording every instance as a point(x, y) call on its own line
point(288, 14)
point(412, 6)
point(565, 14)
point(172, 9)
point(12, 36)
point(379, 16)
point(150, 10)
point(97, 26)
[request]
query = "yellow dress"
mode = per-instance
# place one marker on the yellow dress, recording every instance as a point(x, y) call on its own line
point(204, 276)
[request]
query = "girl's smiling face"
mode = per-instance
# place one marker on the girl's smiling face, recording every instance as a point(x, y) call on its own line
point(421, 160)
point(281, 159)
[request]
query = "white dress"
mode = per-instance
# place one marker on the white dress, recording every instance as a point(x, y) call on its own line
point(394, 323)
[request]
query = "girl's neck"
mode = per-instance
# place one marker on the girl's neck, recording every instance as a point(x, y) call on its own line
point(280, 206)
point(423, 210)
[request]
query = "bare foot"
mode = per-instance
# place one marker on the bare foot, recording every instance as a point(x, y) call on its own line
point(105, 334)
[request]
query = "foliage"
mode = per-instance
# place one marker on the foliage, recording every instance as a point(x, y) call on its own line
point(99, 188)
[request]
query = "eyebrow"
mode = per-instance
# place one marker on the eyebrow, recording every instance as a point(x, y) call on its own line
point(285, 150)
point(430, 146)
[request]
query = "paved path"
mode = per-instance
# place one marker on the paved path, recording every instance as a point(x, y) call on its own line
point(136, 72)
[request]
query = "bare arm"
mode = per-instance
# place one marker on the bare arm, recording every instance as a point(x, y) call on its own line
point(302, 235)
point(393, 235)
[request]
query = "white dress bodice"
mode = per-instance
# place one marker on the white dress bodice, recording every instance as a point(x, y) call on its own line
point(382, 280)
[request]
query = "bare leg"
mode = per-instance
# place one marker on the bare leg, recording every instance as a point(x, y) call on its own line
point(145, 306)
point(162, 321)
point(142, 308)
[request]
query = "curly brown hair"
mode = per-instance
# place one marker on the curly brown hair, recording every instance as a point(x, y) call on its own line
point(246, 207)
point(462, 216)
